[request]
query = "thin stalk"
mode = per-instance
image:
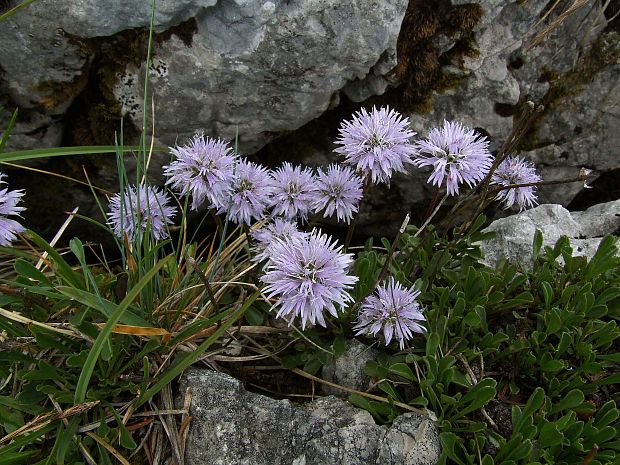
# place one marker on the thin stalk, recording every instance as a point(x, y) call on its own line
point(225, 228)
point(386, 265)
point(392, 251)
point(431, 216)
point(351, 229)
point(206, 283)
point(432, 203)
point(520, 128)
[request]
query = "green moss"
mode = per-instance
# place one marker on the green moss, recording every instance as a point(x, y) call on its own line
point(602, 53)
point(419, 62)
point(605, 51)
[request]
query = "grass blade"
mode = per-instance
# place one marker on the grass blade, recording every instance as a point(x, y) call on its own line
point(7, 132)
point(190, 357)
point(93, 355)
point(102, 305)
point(66, 151)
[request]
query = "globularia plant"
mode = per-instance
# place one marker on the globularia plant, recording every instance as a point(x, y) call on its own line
point(446, 324)
point(139, 208)
point(457, 154)
point(514, 171)
point(203, 169)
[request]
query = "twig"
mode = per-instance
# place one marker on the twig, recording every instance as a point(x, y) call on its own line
point(205, 281)
point(354, 391)
point(475, 381)
point(577, 4)
point(390, 255)
point(593, 452)
point(57, 237)
point(44, 419)
point(432, 215)
point(351, 229)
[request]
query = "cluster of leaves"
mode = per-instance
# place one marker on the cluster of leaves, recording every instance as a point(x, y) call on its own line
point(519, 366)
point(88, 351)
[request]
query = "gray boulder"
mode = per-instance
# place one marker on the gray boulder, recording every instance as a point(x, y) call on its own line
point(348, 369)
point(259, 67)
point(231, 425)
point(264, 68)
point(515, 234)
point(573, 71)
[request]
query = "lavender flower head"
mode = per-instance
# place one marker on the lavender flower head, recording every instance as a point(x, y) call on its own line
point(268, 236)
point(204, 169)
point(251, 193)
point(392, 309)
point(9, 228)
point(515, 170)
point(146, 203)
point(457, 154)
point(308, 274)
point(293, 188)
point(338, 190)
point(376, 143)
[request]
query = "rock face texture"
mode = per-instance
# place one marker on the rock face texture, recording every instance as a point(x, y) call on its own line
point(569, 63)
point(263, 69)
point(257, 67)
point(230, 425)
point(515, 234)
point(348, 369)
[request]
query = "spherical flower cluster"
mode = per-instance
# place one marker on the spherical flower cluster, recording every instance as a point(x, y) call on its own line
point(202, 168)
point(309, 276)
point(339, 190)
point(392, 309)
point(376, 143)
point(138, 208)
point(250, 194)
point(269, 235)
point(293, 189)
point(457, 154)
point(9, 228)
point(515, 170)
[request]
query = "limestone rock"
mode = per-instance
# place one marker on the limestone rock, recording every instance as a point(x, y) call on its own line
point(348, 369)
point(515, 234)
point(573, 71)
point(231, 425)
point(264, 68)
point(259, 67)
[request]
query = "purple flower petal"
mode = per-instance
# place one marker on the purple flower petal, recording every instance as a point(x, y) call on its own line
point(269, 235)
point(377, 143)
point(457, 154)
point(308, 274)
point(204, 169)
point(293, 189)
point(515, 170)
point(394, 310)
point(339, 190)
point(250, 195)
point(147, 205)
point(9, 228)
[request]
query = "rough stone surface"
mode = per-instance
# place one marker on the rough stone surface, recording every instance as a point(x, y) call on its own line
point(231, 425)
point(348, 369)
point(43, 65)
point(573, 71)
point(264, 68)
point(515, 234)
